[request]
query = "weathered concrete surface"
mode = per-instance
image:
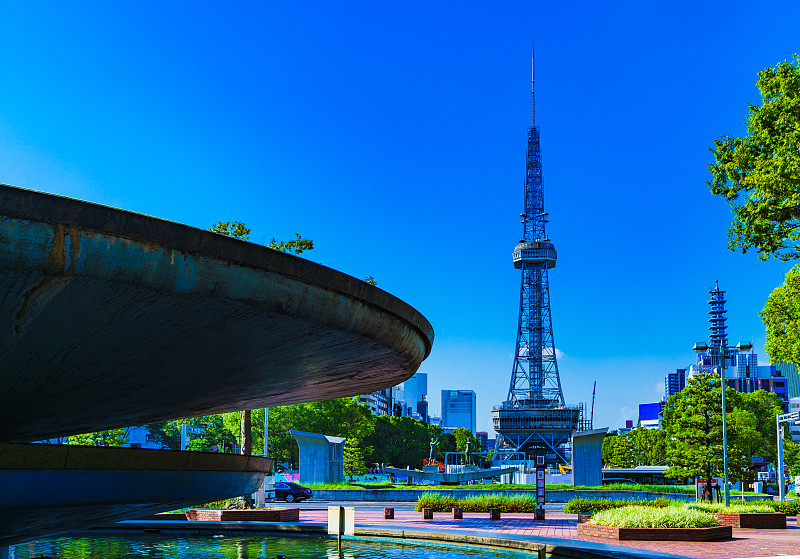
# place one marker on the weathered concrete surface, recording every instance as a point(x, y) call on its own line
point(49, 489)
point(110, 318)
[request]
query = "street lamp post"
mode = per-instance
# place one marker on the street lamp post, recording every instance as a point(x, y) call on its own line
point(741, 347)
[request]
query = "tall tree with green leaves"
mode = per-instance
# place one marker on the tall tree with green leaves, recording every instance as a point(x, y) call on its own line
point(759, 174)
point(781, 316)
point(238, 230)
point(693, 426)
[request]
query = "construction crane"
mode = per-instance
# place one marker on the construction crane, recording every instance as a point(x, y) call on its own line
point(591, 417)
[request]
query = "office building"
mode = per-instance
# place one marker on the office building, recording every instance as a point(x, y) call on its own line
point(458, 409)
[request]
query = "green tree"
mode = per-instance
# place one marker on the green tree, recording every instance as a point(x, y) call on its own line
point(235, 229)
point(354, 462)
point(109, 437)
point(464, 435)
point(649, 446)
point(765, 406)
point(693, 426)
point(608, 446)
point(791, 456)
point(217, 434)
point(295, 246)
point(239, 230)
point(747, 441)
point(759, 174)
point(399, 441)
point(622, 452)
point(781, 316)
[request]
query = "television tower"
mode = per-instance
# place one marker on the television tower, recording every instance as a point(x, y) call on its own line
point(534, 420)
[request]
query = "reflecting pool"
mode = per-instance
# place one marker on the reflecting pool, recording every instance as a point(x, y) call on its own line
point(191, 546)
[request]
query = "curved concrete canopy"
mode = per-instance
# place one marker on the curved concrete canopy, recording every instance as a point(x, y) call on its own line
point(110, 318)
point(50, 489)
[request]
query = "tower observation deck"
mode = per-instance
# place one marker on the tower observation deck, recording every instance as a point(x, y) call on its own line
point(534, 420)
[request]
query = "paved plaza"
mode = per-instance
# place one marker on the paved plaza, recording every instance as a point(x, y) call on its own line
point(745, 543)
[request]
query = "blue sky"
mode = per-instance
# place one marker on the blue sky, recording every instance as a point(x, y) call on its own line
point(393, 135)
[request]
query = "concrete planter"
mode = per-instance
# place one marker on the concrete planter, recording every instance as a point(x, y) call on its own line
point(244, 515)
point(714, 533)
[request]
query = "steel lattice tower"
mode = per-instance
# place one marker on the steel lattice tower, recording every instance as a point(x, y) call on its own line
point(534, 419)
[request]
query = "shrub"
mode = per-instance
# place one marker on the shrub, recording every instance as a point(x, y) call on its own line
point(652, 517)
point(736, 506)
point(576, 506)
point(791, 508)
point(482, 503)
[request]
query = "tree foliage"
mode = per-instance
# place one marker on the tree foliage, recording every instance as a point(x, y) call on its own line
point(109, 437)
point(693, 425)
point(235, 229)
point(295, 246)
point(354, 461)
point(693, 429)
point(759, 174)
point(781, 316)
point(464, 435)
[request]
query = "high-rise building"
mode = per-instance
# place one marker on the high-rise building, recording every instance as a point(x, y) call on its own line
point(458, 409)
point(675, 382)
point(406, 399)
point(483, 438)
point(794, 428)
point(534, 421)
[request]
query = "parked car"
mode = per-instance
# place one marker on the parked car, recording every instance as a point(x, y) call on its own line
point(291, 492)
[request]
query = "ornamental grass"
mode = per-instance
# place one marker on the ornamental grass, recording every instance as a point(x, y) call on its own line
point(736, 507)
point(482, 503)
point(634, 516)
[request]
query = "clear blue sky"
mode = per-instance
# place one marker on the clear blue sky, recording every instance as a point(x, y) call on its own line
point(393, 135)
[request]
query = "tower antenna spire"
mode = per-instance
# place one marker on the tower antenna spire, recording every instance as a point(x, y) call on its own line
point(534, 420)
point(533, 91)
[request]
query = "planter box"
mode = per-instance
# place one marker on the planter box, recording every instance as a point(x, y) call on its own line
point(583, 517)
point(713, 533)
point(245, 515)
point(763, 520)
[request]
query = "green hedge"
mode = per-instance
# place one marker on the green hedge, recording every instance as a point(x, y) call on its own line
point(791, 508)
point(506, 503)
point(575, 506)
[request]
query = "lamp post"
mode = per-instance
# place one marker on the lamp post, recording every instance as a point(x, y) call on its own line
point(740, 347)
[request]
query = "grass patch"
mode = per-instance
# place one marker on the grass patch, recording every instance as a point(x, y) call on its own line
point(634, 516)
point(576, 506)
point(481, 503)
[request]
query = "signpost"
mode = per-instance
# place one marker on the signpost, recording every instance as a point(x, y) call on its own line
point(187, 430)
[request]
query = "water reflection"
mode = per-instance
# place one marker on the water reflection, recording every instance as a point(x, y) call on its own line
point(171, 546)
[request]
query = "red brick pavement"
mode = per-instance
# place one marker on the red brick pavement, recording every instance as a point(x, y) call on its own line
point(746, 543)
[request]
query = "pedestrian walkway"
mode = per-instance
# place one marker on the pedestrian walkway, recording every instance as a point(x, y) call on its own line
point(746, 543)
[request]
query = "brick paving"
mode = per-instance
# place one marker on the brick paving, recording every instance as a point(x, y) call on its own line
point(746, 543)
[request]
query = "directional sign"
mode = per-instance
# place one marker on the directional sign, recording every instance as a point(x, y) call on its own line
point(195, 430)
point(788, 417)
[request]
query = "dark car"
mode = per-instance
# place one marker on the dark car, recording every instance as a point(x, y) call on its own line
point(291, 492)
